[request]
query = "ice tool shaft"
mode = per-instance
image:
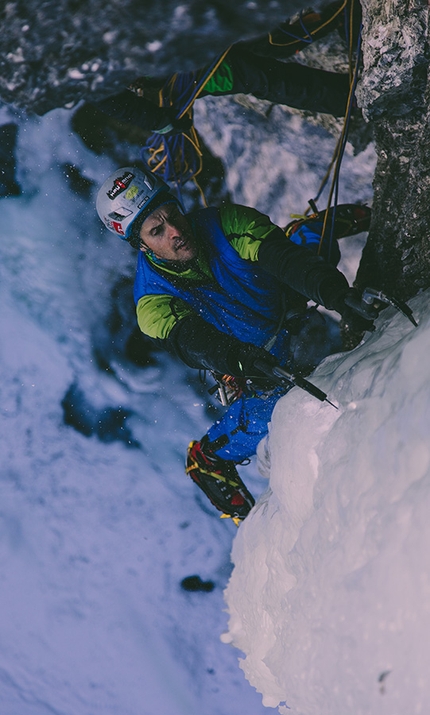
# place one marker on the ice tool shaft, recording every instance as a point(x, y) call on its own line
point(283, 376)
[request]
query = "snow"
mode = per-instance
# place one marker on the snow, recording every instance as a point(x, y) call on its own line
point(277, 161)
point(97, 535)
point(98, 523)
point(329, 597)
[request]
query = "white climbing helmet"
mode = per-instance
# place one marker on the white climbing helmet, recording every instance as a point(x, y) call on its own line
point(126, 194)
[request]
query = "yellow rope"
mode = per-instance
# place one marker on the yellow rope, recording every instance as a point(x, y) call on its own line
point(153, 158)
point(202, 195)
point(212, 72)
point(313, 32)
point(165, 96)
point(336, 154)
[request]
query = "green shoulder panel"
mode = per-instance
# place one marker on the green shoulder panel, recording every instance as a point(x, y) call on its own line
point(221, 80)
point(246, 228)
point(157, 314)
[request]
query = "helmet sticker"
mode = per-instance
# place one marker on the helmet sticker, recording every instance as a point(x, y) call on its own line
point(120, 214)
point(131, 193)
point(117, 227)
point(143, 202)
point(120, 184)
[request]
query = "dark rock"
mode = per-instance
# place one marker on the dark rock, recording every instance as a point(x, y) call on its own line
point(108, 425)
point(195, 583)
point(57, 52)
point(394, 92)
point(8, 183)
point(78, 183)
point(395, 57)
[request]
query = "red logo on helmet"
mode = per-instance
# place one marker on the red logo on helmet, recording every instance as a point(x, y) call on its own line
point(118, 228)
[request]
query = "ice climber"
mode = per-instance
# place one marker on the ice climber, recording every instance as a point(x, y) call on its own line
point(250, 67)
point(223, 288)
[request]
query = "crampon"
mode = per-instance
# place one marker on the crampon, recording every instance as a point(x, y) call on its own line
point(220, 481)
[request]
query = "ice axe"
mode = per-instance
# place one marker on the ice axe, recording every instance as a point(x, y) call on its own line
point(283, 377)
point(372, 301)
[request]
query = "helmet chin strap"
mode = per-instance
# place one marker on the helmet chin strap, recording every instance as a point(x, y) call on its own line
point(178, 265)
point(151, 254)
point(148, 251)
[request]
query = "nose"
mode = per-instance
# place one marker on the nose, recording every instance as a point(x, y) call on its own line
point(172, 231)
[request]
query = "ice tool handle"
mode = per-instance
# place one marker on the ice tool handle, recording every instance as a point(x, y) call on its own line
point(373, 300)
point(283, 377)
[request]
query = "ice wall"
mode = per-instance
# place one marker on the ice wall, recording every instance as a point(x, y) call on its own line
point(329, 597)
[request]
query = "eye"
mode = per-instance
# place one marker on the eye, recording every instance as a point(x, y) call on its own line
point(157, 230)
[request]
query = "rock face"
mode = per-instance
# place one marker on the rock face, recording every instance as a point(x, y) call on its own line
point(395, 57)
point(394, 95)
point(56, 52)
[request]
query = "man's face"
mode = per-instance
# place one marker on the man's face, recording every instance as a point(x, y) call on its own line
point(167, 233)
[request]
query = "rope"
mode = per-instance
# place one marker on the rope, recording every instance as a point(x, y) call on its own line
point(339, 151)
point(297, 39)
point(178, 158)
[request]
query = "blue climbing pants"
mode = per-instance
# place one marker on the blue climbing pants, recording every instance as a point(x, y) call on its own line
point(244, 424)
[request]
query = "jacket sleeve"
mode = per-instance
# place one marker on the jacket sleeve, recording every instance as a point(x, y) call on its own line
point(256, 238)
point(128, 107)
point(303, 271)
point(201, 345)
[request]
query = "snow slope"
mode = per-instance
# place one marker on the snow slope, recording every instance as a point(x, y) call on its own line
point(98, 525)
point(330, 595)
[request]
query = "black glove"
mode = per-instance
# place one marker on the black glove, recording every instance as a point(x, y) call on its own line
point(358, 315)
point(201, 345)
point(242, 360)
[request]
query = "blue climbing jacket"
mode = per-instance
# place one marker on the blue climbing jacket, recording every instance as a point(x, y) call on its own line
point(241, 300)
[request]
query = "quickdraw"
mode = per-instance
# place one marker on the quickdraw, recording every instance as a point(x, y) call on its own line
point(228, 389)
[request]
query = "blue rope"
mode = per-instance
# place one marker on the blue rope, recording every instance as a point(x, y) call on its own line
point(177, 157)
point(308, 38)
